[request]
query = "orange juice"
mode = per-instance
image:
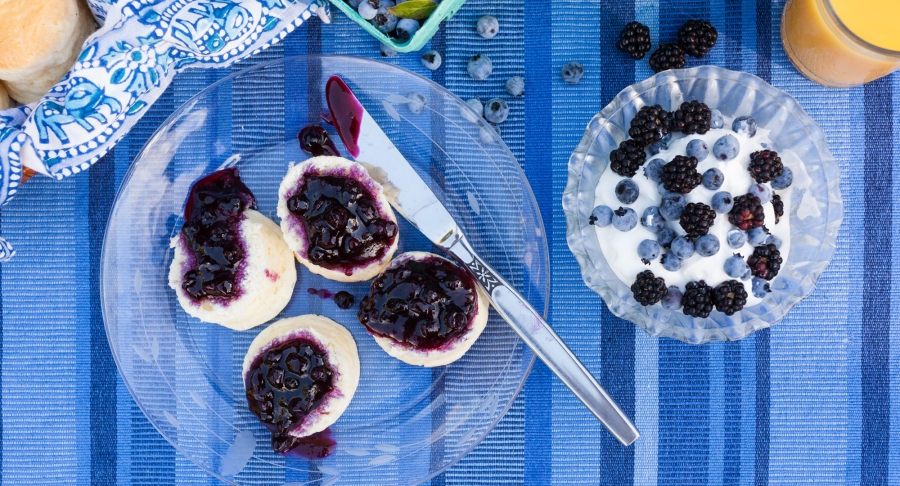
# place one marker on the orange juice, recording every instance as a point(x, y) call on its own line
point(842, 43)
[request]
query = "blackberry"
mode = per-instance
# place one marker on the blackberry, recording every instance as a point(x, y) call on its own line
point(691, 117)
point(747, 212)
point(697, 300)
point(697, 37)
point(778, 206)
point(696, 220)
point(730, 296)
point(650, 125)
point(667, 56)
point(765, 262)
point(765, 165)
point(635, 40)
point(648, 289)
point(680, 175)
point(626, 159)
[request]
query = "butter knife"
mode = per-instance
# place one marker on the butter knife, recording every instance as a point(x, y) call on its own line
point(413, 199)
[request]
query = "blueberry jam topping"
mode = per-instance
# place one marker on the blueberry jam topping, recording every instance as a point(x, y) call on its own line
point(343, 227)
point(286, 384)
point(315, 141)
point(212, 215)
point(346, 112)
point(423, 304)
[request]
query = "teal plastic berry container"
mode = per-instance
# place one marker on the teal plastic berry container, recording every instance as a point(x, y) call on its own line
point(444, 10)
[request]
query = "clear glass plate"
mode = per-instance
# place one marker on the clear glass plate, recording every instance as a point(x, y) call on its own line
point(405, 424)
point(815, 214)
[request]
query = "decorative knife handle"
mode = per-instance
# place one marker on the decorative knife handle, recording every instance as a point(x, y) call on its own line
point(538, 335)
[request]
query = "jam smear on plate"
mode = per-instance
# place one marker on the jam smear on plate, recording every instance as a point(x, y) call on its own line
point(316, 446)
point(422, 304)
point(346, 112)
point(285, 384)
point(315, 141)
point(343, 226)
point(213, 214)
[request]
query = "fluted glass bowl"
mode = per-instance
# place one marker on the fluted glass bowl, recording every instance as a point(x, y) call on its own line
point(405, 423)
point(815, 213)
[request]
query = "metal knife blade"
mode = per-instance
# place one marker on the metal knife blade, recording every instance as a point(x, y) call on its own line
point(413, 199)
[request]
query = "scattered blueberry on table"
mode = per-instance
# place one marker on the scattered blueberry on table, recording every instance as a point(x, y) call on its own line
point(432, 60)
point(496, 111)
point(515, 86)
point(488, 26)
point(572, 72)
point(480, 67)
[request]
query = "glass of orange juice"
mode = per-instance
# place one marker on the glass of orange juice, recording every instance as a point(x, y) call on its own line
point(842, 43)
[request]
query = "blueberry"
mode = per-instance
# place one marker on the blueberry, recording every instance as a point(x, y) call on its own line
point(774, 240)
point(624, 219)
point(661, 189)
point(432, 60)
point(672, 299)
point(406, 28)
point(707, 245)
point(761, 191)
point(671, 262)
point(745, 125)
point(747, 274)
point(698, 148)
point(784, 180)
point(735, 266)
point(496, 111)
point(387, 51)
point(489, 135)
point(416, 103)
point(648, 250)
point(601, 216)
point(722, 202)
point(665, 237)
point(713, 179)
point(476, 105)
point(682, 247)
point(653, 169)
point(736, 238)
point(572, 72)
point(760, 287)
point(765, 146)
point(672, 206)
point(385, 21)
point(488, 26)
point(652, 220)
point(726, 148)
point(661, 144)
point(515, 86)
point(716, 120)
point(354, 4)
point(368, 9)
point(627, 191)
point(480, 67)
point(757, 236)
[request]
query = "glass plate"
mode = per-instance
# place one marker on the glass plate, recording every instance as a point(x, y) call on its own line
point(405, 424)
point(815, 214)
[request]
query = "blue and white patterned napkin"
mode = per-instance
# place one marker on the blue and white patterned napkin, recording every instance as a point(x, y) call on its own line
point(123, 68)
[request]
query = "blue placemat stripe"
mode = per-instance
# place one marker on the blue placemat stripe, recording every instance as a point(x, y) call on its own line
point(875, 379)
point(894, 445)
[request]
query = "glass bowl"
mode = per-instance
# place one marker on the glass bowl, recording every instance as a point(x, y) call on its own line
point(815, 213)
point(405, 423)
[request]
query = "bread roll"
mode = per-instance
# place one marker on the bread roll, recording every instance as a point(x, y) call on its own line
point(4, 99)
point(39, 41)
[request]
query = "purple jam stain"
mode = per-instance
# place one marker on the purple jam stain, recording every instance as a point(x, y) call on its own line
point(342, 224)
point(343, 299)
point(346, 112)
point(322, 293)
point(213, 214)
point(423, 304)
point(315, 141)
point(316, 446)
point(287, 383)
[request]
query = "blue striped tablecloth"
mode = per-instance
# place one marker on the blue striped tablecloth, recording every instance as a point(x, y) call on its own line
point(809, 401)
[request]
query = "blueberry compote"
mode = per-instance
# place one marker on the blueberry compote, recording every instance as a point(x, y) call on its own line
point(315, 141)
point(287, 383)
point(213, 214)
point(422, 304)
point(343, 227)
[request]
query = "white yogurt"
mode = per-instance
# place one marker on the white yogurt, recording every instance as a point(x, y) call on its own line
point(620, 249)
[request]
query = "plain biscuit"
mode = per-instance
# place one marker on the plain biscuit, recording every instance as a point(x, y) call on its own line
point(39, 42)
